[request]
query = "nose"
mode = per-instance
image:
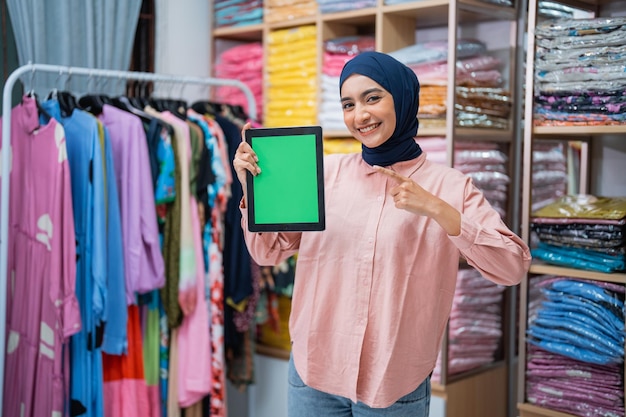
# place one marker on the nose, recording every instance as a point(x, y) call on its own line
point(362, 114)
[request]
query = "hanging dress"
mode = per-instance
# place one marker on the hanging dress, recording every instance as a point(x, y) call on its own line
point(87, 180)
point(42, 310)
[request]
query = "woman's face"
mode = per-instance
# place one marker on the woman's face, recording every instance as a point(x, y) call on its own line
point(368, 110)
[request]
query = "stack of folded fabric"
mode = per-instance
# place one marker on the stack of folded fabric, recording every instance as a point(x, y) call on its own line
point(576, 346)
point(244, 63)
point(584, 232)
point(579, 72)
point(481, 102)
point(230, 13)
point(285, 10)
point(484, 162)
point(549, 172)
point(499, 2)
point(337, 52)
point(332, 6)
point(475, 327)
point(291, 88)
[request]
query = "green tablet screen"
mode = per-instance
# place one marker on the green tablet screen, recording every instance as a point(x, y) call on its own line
point(288, 194)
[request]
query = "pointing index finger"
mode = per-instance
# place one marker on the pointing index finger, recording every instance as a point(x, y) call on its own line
point(392, 174)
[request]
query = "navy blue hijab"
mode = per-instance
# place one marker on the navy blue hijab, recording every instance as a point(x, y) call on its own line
point(401, 82)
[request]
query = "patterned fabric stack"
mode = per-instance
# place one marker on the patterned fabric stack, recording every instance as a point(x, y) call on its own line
point(292, 77)
point(230, 13)
point(584, 232)
point(579, 72)
point(481, 102)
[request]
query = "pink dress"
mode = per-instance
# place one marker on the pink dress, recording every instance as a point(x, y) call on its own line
point(42, 310)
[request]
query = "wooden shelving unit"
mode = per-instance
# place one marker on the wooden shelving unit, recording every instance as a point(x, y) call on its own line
point(483, 392)
point(585, 134)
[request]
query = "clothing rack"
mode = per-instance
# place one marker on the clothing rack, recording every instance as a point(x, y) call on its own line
point(6, 156)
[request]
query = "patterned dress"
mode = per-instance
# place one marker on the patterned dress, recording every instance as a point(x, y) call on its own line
point(42, 310)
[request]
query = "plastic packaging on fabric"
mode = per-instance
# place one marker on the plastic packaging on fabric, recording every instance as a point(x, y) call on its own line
point(604, 232)
point(593, 246)
point(437, 51)
point(351, 45)
point(605, 317)
point(475, 326)
point(579, 258)
point(584, 320)
point(581, 33)
point(568, 349)
point(578, 319)
point(585, 206)
point(580, 27)
point(489, 177)
point(553, 59)
point(584, 336)
point(558, 378)
point(486, 156)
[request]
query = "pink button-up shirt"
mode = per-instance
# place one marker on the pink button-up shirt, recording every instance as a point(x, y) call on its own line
point(373, 291)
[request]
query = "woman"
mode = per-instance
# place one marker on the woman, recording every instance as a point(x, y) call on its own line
point(373, 291)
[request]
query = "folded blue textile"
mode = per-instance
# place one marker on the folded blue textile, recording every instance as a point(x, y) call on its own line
point(578, 258)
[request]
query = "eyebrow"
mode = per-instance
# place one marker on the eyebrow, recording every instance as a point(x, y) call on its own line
point(365, 93)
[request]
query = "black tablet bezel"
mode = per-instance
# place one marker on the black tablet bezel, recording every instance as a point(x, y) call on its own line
point(256, 133)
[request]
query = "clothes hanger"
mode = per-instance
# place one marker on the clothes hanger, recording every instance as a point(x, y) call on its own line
point(238, 111)
point(94, 103)
point(91, 103)
point(31, 94)
point(67, 103)
point(123, 103)
point(136, 95)
point(177, 107)
point(207, 107)
point(66, 99)
point(40, 110)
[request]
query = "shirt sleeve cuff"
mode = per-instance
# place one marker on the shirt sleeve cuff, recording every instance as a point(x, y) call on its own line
point(468, 235)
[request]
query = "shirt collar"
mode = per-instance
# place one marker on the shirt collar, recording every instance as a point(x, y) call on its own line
point(405, 168)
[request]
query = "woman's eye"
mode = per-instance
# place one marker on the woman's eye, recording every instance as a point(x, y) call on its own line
point(347, 106)
point(373, 98)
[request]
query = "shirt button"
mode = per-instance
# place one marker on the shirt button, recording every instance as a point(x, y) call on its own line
point(380, 198)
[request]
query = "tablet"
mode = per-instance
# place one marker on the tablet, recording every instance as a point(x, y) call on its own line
point(288, 194)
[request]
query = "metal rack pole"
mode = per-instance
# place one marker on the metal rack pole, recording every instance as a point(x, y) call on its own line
point(6, 154)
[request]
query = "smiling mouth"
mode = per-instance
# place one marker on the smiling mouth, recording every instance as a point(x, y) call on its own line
point(369, 128)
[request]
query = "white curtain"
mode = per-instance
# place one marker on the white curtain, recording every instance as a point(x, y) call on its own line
point(85, 33)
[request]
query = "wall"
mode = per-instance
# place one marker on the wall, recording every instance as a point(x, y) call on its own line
point(182, 44)
point(608, 160)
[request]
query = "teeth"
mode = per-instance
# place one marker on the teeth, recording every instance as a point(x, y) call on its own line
point(368, 129)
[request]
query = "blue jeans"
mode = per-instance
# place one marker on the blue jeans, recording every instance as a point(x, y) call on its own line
point(304, 401)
